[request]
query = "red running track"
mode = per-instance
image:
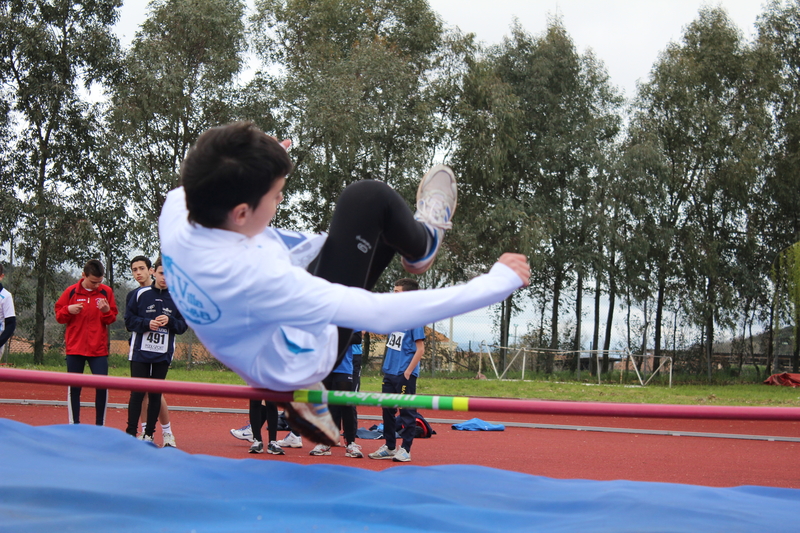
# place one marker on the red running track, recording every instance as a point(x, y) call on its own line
point(564, 454)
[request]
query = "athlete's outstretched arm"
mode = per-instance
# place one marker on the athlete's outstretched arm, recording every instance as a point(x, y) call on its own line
point(384, 313)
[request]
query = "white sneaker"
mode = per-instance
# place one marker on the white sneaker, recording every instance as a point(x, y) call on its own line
point(353, 450)
point(401, 455)
point(256, 447)
point(383, 453)
point(291, 441)
point(169, 440)
point(313, 420)
point(437, 196)
point(320, 449)
point(243, 433)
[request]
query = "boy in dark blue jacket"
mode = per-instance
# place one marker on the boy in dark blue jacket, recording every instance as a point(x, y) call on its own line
point(154, 320)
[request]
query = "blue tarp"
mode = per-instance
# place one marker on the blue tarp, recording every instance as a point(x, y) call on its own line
point(87, 478)
point(476, 424)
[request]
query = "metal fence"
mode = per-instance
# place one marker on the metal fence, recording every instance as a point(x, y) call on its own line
point(463, 347)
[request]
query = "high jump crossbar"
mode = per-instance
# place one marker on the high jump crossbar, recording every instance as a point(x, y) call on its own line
point(444, 403)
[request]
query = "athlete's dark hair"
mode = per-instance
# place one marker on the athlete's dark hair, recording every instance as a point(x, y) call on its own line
point(141, 258)
point(227, 166)
point(157, 264)
point(407, 284)
point(93, 267)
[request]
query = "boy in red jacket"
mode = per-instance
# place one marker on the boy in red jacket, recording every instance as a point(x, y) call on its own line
point(87, 308)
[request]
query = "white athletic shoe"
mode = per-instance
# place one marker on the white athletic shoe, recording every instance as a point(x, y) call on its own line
point(313, 420)
point(353, 450)
point(320, 449)
point(401, 455)
point(243, 433)
point(437, 196)
point(383, 453)
point(169, 440)
point(291, 441)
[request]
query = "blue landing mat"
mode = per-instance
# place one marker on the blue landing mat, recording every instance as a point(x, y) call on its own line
point(57, 479)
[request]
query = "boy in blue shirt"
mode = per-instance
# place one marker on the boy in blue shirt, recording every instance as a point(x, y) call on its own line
point(404, 350)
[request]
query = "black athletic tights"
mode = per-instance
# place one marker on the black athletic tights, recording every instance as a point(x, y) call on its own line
point(370, 223)
point(152, 371)
point(261, 412)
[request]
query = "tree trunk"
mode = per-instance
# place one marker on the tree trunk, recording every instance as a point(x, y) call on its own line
point(644, 336)
point(505, 327)
point(576, 344)
point(612, 298)
point(796, 351)
point(710, 324)
point(596, 327)
point(559, 277)
point(41, 280)
point(770, 352)
point(659, 319)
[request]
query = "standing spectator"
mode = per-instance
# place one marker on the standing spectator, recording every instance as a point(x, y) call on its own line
point(154, 320)
point(87, 308)
point(8, 318)
point(259, 413)
point(141, 271)
point(341, 378)
point(357, 353)
point(404, 350)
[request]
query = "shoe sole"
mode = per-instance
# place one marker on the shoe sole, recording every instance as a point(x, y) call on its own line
point(422, 265)
point(318, 454)
point(354, 456)
point(290, 445)
point(308, 429)
point(275, 453)
point(255, 451)
point(430, 174)
point(382, 457)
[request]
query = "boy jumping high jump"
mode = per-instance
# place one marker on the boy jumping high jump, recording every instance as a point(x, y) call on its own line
point(248, 289)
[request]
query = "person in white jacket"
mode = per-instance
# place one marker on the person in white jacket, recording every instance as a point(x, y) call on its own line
point(278, 307)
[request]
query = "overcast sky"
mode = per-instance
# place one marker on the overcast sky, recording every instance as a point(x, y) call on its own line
point(626, 35)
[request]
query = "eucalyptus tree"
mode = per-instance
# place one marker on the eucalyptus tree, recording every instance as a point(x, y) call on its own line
point(49, 49)
point(352, 79)
point(703, 111)
point(536, 116)
point(178, 80)
point(10, 212)
point(779, 47)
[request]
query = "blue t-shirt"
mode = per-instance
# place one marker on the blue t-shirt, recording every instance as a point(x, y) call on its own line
point(346, 366)
point(400, 349)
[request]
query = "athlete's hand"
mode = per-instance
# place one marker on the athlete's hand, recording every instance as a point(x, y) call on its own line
point(103, 306)
point(74, 309)
point(519, 264)
point(154, 325)
point(162, 320)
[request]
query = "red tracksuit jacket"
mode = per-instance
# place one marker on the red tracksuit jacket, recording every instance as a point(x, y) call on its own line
point(87, 332)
